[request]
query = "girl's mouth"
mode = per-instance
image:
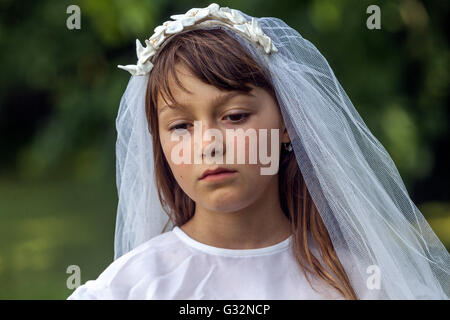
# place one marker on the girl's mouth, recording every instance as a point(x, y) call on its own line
point(219, 176)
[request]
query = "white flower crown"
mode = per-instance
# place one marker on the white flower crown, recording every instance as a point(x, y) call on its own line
point(213, 14)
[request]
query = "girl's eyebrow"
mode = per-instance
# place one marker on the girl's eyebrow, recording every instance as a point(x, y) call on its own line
point(216, 101)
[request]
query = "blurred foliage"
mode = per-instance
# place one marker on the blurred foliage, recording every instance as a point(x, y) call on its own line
point(61, 91)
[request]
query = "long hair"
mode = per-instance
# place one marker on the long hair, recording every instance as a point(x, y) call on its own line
point(215, 58)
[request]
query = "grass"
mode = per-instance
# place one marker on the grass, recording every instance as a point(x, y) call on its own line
point(45, 227)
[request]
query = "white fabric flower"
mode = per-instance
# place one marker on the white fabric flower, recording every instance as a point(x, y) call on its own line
point(201, 14)
point(235, 17)
point(213, 8)
point(179, 22)
point(155, 42)
point(174, 27)
point(146, 54)
point(158, 31)
point(197, 13)
point(177, 16)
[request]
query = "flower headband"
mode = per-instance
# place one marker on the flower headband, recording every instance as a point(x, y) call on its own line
point(213, 14)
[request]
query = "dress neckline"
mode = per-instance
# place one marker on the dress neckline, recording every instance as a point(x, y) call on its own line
point(231, 252)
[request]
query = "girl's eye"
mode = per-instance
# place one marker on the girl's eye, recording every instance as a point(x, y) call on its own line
point(178, 126)
point(238, 117)
point(235, 118)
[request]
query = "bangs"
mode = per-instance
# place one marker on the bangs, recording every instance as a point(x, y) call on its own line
point(213, 56)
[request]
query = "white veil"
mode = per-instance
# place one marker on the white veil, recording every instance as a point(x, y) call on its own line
point(355, 185)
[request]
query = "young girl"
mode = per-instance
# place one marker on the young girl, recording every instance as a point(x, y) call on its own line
point(332, 221)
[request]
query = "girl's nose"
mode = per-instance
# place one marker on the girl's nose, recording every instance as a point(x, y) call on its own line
point(212, 140)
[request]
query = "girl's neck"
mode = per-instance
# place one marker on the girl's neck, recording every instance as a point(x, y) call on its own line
point(261, 224)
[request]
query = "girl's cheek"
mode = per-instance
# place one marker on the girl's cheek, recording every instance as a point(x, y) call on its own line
point(181, 171)
point(181, 149)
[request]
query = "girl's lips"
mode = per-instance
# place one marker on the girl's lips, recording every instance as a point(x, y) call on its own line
point(216, 171)
point(219, 176)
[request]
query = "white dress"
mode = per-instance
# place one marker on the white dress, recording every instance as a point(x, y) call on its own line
point(173, 265)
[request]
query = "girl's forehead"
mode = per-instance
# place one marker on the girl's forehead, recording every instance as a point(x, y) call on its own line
point(189, 88)
point(189, 84)
point(184, 88)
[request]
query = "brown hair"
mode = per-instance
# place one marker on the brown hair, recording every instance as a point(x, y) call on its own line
point(218, 59)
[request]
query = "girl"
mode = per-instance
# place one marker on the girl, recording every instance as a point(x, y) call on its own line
point(334, 221)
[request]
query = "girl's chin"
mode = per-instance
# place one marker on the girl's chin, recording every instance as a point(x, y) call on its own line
point(228, 202)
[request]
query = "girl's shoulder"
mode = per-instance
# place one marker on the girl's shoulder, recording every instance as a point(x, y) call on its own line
point(149, 259)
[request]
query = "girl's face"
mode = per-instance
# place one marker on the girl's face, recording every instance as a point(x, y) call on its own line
point(240, 111)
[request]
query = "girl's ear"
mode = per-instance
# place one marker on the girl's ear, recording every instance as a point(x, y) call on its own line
point(284, 134)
